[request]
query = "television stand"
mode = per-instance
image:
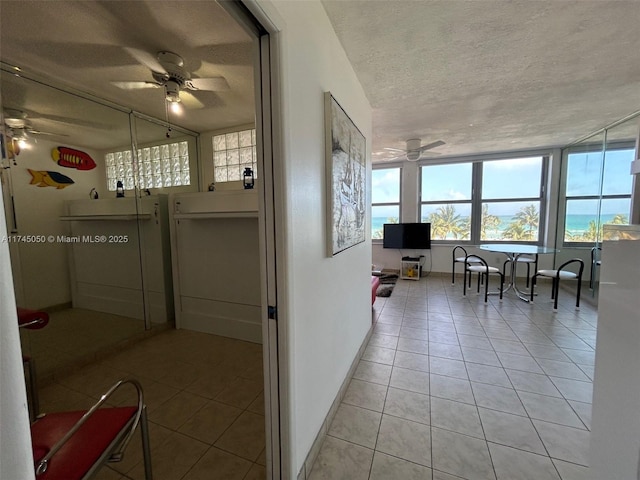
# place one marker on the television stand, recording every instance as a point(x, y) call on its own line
point(410, 268)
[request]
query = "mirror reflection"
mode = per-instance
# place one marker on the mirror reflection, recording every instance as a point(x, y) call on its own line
point(596, 187)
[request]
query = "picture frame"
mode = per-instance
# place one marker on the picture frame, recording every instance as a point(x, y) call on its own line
point(346, 173)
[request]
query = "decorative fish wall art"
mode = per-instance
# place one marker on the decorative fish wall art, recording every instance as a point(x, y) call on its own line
point(43, 178)
point(72, 158)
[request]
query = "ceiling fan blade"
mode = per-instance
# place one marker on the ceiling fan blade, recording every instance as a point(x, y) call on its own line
point(38, 132)
point(213, 84)
point(189, 100)
point(135, 85)
point(394, 149)
point(431, 145)
point(15, 122)
point(147, 59)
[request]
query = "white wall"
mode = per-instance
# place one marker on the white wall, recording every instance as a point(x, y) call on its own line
point(44, 266)
point(329, 298)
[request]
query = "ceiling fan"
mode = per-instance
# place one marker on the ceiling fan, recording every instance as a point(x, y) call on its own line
point(415, 149)
point(167, 70)
point(20, 126)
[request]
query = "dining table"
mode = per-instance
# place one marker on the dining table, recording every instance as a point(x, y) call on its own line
point(513, 251)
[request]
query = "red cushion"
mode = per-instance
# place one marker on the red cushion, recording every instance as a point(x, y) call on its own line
point(375, 283)
point(26, 316)
point(84, 448)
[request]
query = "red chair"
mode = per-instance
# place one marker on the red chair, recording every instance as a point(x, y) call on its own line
point(32, 320)
point(74, 445)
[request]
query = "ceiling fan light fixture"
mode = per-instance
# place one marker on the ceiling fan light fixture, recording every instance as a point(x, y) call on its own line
point(172, 90)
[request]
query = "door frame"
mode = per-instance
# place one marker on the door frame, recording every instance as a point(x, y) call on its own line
point(272, 239)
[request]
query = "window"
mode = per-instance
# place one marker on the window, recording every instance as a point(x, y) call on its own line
point(590, 202)
point(446, 200)
point(491, 200)
point(232, 153)
point(511, 200)
point(158, 166)
point(385, 199)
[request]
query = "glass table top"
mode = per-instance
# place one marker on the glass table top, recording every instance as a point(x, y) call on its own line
point(516, 248)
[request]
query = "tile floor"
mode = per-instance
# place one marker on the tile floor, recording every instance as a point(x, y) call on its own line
point(450, 388)
point(205, 401)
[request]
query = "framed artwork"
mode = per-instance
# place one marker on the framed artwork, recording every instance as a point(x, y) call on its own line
point(346, 179)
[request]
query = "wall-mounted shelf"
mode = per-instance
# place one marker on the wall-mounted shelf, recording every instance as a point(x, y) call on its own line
point(75, 218)
point(204, 216)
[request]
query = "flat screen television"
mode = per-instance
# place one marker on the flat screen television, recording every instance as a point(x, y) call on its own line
point(415, 236)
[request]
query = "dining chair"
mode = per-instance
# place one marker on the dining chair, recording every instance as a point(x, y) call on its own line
point(561, 273)
point(527, 259)
point(75, 445)
point(595, 262)
point(32, 320)
point(476, 264)
point(461, 257)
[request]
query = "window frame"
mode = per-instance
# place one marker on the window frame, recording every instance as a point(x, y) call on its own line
point(598, 148)
point(387, 204)
point(477, 201)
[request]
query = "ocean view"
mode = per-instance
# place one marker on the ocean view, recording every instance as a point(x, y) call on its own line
point(576, 224)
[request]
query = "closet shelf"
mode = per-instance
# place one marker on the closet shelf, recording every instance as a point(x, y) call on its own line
point(133, 216)
point(207, 215)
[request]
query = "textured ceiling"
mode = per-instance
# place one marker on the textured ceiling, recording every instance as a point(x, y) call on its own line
point(491, 75)
point(484, 76)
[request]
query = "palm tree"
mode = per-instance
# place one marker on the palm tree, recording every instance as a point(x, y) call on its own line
point(528, 217)
point(516, 231)
point(465, 228)
point(619, 219)
point(445, 221)
point(592, 234)
point(489, 222)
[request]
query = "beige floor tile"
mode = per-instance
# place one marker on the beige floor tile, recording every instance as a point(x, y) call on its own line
point(341, 460)
point(216, 464)
point(173, 459)
point(240, 393)
point(210, 422)
point(245, 437)
point(385, 467)
point(256, 472)
point(177, 410)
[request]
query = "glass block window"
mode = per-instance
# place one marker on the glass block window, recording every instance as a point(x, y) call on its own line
point(158, 166)
point(232, 153)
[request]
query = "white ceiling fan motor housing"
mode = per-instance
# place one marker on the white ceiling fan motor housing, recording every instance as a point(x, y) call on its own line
point(413, 149)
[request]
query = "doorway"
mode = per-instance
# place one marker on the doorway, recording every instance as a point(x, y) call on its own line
point(134, 284)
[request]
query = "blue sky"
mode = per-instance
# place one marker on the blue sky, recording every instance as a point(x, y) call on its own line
point(517, 179)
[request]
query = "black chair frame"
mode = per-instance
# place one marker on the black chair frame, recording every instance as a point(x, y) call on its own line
point(483, 269)
point(556, 281)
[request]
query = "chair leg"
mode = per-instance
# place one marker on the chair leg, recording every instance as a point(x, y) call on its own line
point(146, 449)
point(556, 285)
point(528, 273)
point(33, 387)
point(479, 277)
point(578, 295)
point(501, 286)
point(486, 288)
point(453, 272)
point(533, 286)
point(464, 281)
